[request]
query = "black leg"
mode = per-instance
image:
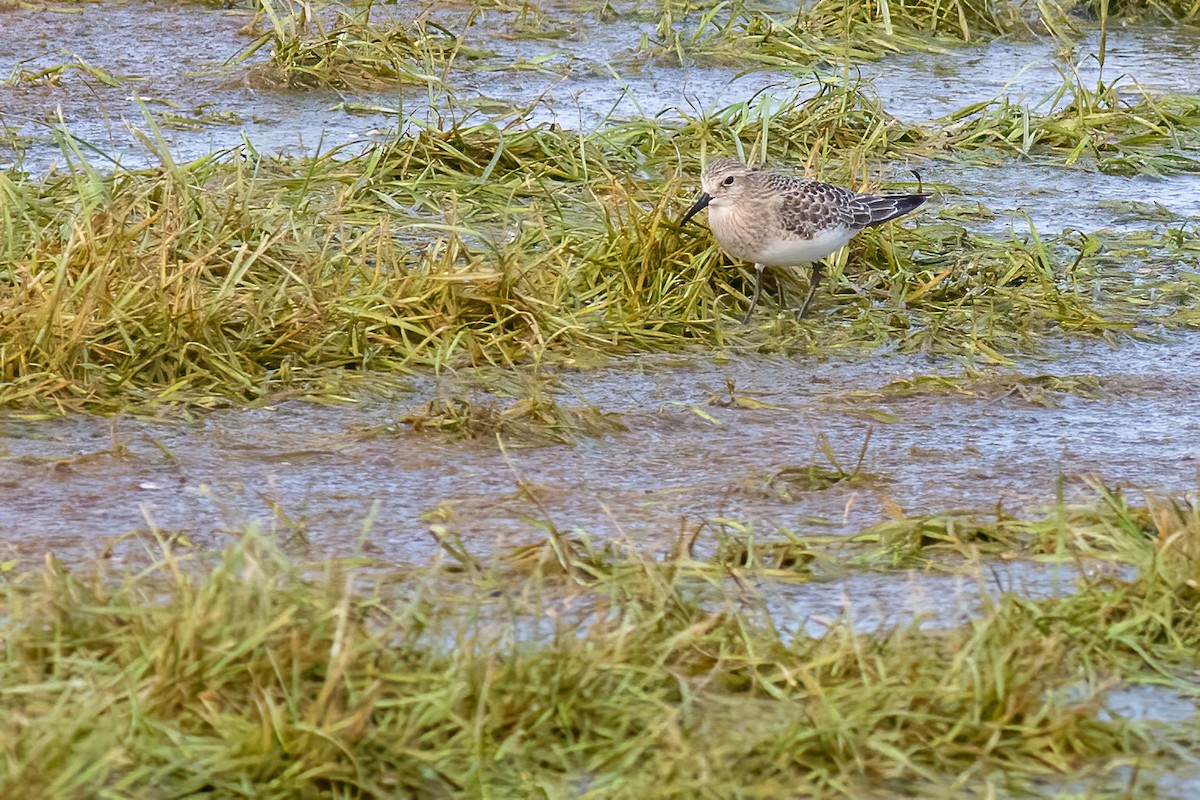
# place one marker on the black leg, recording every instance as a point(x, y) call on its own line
point(758, 276)
point(813, 283)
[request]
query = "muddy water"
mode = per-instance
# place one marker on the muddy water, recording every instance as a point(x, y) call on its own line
point(873, 602)
point(1054, 200)
point(70, 485)
point(169, 57)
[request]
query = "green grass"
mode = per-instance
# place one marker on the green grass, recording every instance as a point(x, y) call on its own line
point(824, 32)
point(1185, 11)
point(54, 75)
point(847, 32)
point(1152, 135)
point(477, 241)
point(567, 666)
point(239, 276)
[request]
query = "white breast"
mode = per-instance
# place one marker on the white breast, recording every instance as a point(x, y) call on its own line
point(790, 252)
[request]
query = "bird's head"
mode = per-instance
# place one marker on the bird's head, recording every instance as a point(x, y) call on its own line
point(722, 182)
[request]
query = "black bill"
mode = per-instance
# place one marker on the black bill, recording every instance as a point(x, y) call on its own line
point(696, 209)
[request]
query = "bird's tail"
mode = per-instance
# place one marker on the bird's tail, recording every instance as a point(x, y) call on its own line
point(889, 206)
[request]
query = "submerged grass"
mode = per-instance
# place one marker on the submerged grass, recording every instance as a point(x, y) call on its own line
point(531, 416)
point(1039, 390)
point(571, 668)
point(349, 51)
point(1107, 527)
point(827, 31)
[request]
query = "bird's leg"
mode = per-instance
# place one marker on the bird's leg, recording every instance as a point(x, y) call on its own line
point(758, 278)
point(813, 283)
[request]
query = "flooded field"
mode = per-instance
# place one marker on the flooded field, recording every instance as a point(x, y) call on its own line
point(354, 370)
point(681, 441)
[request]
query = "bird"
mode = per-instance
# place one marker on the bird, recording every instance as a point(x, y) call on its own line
point(772, 218)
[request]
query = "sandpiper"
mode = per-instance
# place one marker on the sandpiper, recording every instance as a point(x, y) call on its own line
point(775, 219)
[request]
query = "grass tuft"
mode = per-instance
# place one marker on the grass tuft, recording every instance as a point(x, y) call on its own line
point(351, 51)
point(502, 242)
point(559, 664)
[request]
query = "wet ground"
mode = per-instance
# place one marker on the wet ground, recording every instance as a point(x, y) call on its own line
point(684, 458)
point(687, 455)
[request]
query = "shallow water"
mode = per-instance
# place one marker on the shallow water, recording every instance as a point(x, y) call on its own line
point(72, 484)
point(872, 602)
point(1143, 58)
point(572, 70)
point(1054, 200)
point(169, 57)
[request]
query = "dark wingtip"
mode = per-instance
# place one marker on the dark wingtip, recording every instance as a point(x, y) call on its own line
point(913, 201)
point(890, 206)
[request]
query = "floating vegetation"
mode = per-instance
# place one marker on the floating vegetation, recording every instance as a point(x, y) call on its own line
point(197, 119)
point(775, 560)
point(535, 418)
point(1040, 390)
point(54, 75)
point(788, 482)
point(1106, 528)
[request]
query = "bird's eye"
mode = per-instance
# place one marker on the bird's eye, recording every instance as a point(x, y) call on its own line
point(728, 181)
